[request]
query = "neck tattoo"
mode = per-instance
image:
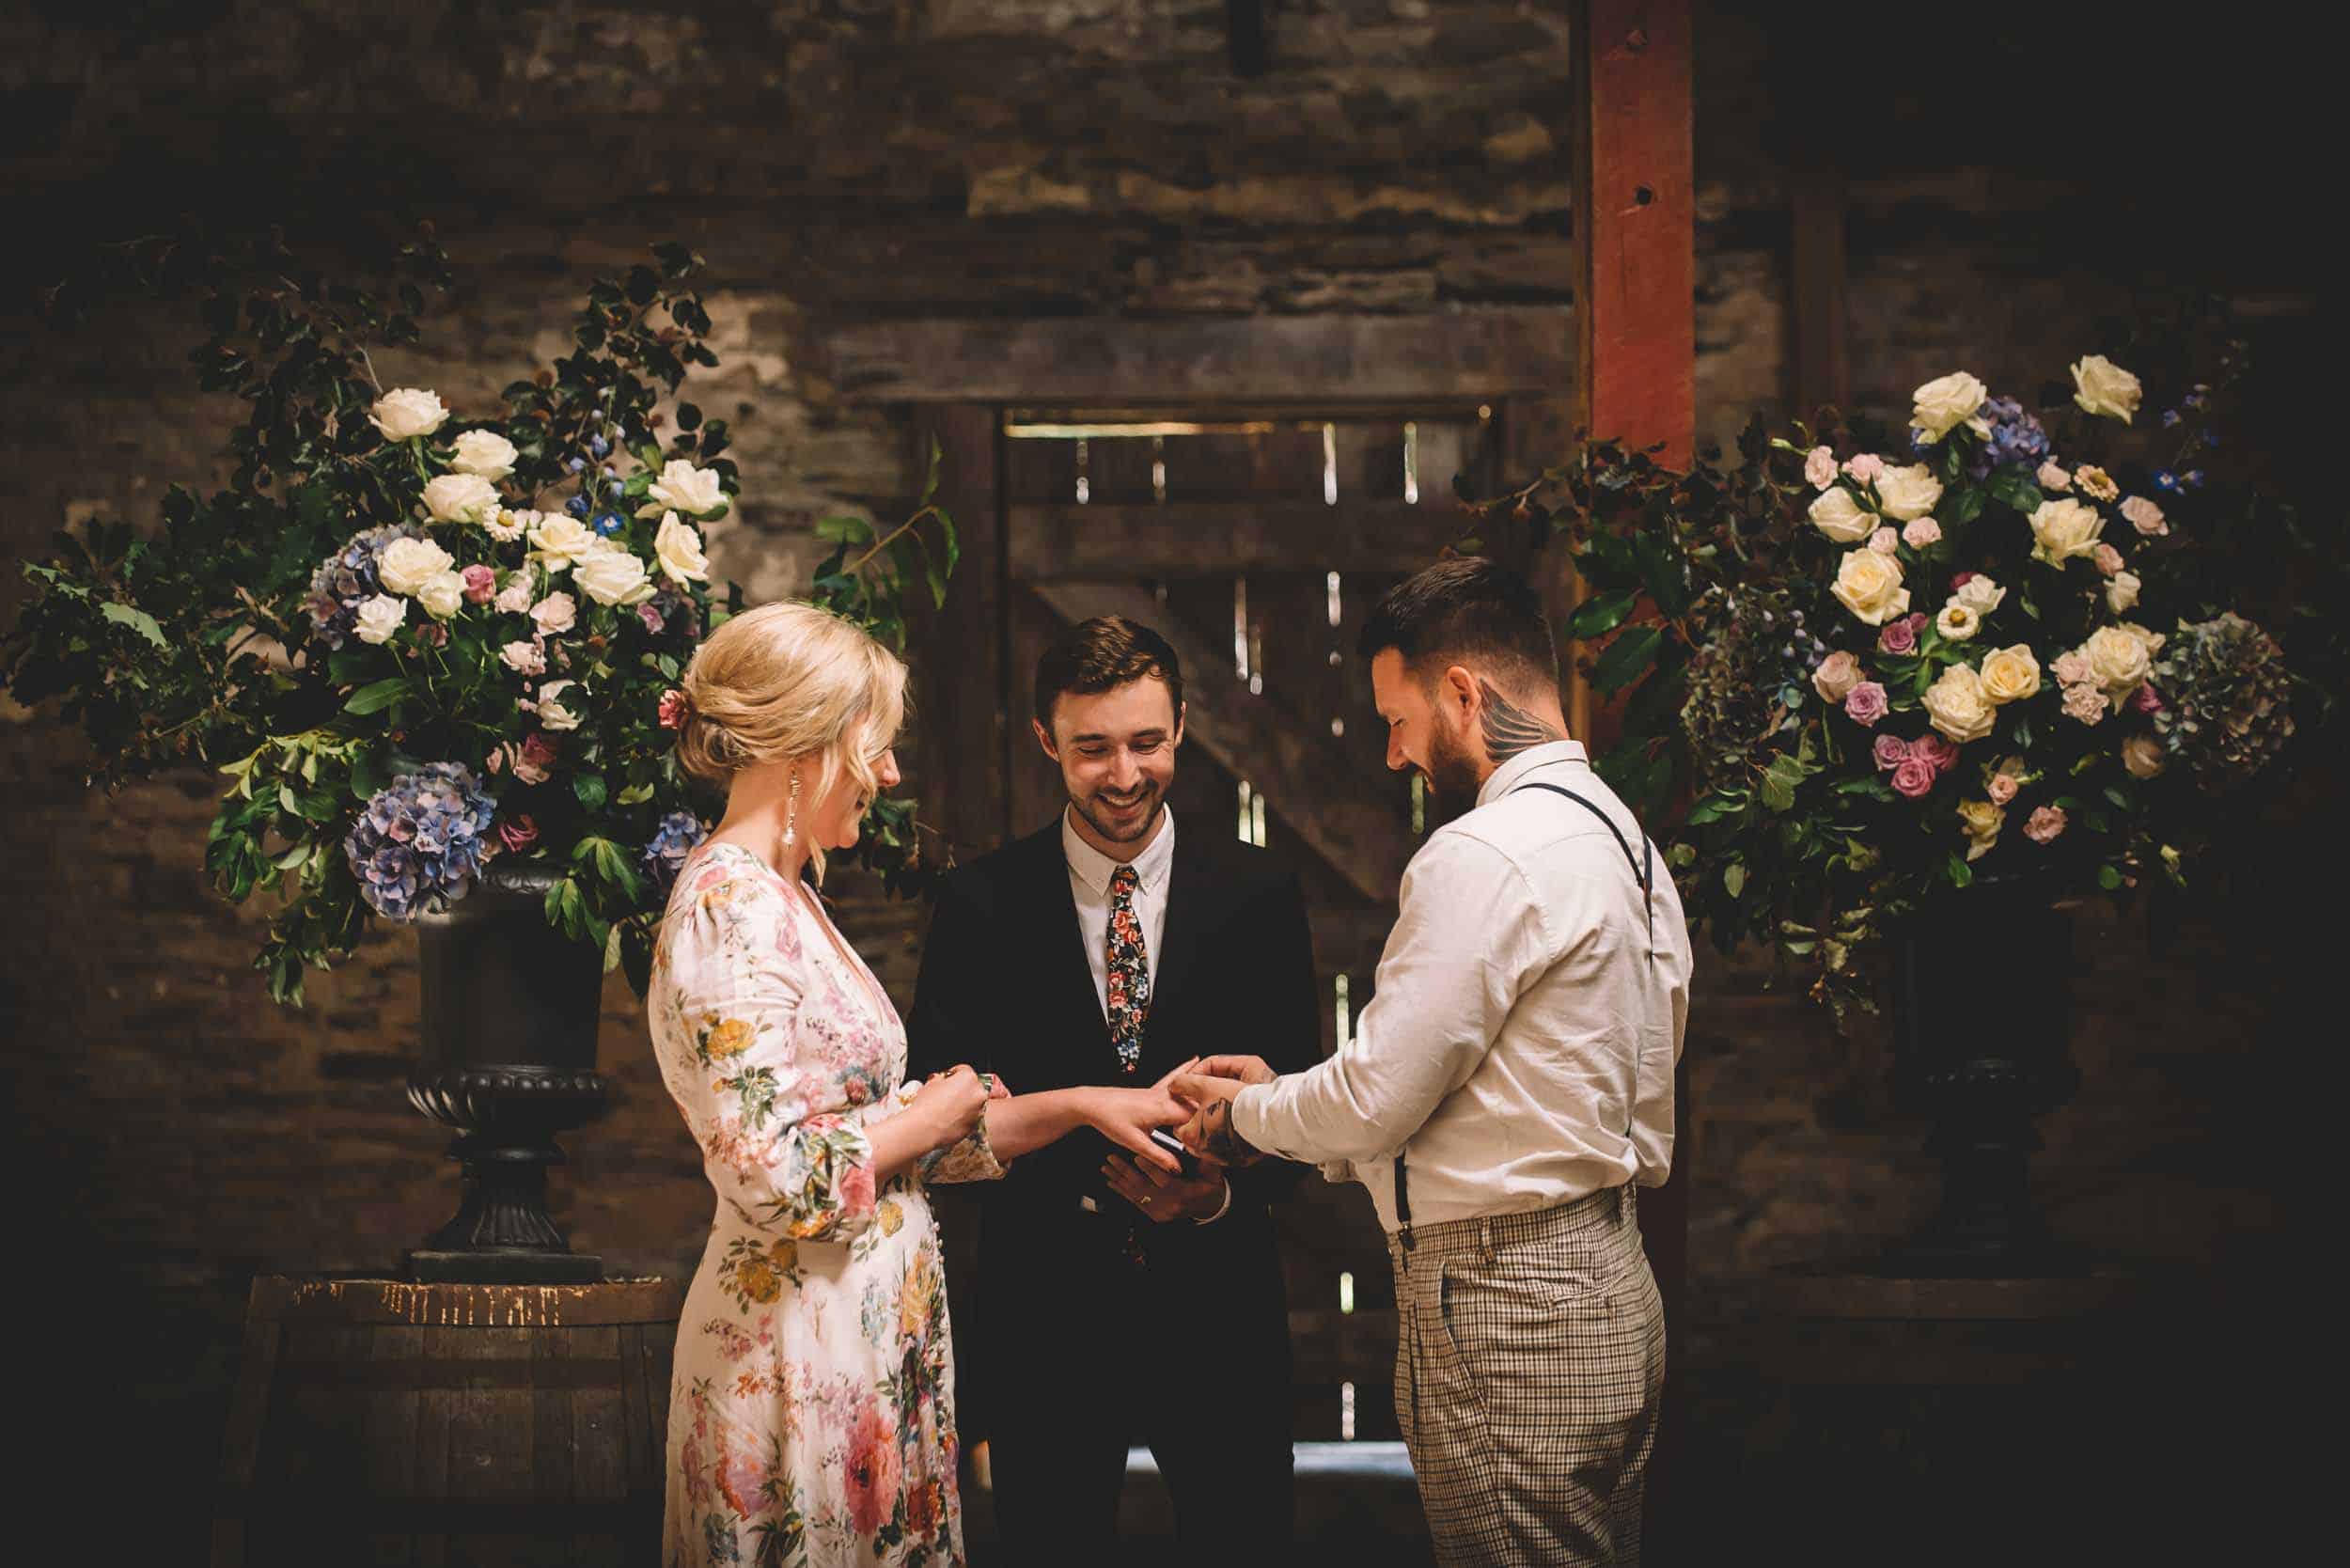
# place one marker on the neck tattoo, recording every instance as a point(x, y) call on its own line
point(1510, 728)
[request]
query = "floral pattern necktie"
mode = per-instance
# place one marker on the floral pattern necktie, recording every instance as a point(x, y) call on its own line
point(1128, 971)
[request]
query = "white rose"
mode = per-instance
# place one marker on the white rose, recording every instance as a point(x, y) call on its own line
point(2120, 657)
point(1835, 513)
point(1944, 404)
point(2144, 516)
point(563, 540)
point(679, 549)
point(684, 488)
point(556, 613)
point(2011, 674)
point(443, 594)
point(552, 714)
point(1869, 585)
point(461, 499)
point(405, 412)
point(1980, 595)
point(380, 617)
point(408, 563)
point(2053, 477)
point(1908, 493)
point(2101, 386)
point(1958, 705)
point(613, 576)
point(2065, 529)
point(525, 658)
point(2121, 592)
point(484, 452)
point(1958, 622)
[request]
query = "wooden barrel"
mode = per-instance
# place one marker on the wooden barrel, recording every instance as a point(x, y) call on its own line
point(377, 1421)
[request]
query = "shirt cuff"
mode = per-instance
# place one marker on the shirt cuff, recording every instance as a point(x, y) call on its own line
point(1221, 1209)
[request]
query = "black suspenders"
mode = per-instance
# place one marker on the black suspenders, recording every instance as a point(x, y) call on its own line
point(1643, 872)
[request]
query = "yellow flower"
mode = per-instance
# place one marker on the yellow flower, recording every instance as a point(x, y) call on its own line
point(727, 1037)
point(890, 1217)
point(759, 1281)
point(785, 1255)
point(922, 1290)
point(2095, 483)
point(2011, 674)
point(1983, 822)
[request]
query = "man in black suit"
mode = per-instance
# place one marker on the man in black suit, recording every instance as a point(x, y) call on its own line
point(1103, 948)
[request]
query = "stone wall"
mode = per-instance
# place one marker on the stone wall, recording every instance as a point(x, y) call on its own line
point(847, 160)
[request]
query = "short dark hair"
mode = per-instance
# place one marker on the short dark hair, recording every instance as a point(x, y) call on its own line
point(1464, 606)
point(1100, 655)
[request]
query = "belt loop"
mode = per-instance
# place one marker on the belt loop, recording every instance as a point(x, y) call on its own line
point(1485, 1237)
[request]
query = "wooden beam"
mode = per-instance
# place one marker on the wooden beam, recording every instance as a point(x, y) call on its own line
point(962, 688)
point(1309, 782)
point(1083, 361)
point(1224, 539)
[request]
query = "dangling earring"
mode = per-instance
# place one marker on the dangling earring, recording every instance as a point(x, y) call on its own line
point(791, 812)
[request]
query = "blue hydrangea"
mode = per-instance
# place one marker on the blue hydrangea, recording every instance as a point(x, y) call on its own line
point(348, 579)
point(2015, 437)
point(672, 841)
point(421, 837)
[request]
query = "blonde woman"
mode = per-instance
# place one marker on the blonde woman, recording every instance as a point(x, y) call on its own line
point(811, 1415)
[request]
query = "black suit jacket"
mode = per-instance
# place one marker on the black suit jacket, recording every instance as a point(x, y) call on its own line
point(1006, 986)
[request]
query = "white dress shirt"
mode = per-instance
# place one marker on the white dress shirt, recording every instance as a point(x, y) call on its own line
point(1521, 1038)
point(1090, 873)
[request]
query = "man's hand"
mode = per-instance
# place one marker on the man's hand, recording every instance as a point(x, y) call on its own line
point(1209, 1134)
point(1161, 1195)
point(1246, 1070)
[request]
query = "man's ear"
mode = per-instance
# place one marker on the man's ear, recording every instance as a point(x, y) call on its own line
point(1044, 739)
point(1459, 690)
point(1180, 709)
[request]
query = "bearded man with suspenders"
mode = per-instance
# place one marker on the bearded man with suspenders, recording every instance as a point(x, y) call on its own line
point(1508, 1087)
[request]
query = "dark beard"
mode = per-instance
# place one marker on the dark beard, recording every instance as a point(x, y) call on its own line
point(1452, 774)
point(1141, 830)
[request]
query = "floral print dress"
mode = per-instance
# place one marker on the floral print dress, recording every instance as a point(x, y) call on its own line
point(811, 1413)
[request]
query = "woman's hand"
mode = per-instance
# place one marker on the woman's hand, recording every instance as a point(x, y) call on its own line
point(950, 1105)
point(1126, 1116)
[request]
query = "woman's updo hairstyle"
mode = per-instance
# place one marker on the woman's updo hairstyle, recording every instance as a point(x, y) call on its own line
point(788, 682)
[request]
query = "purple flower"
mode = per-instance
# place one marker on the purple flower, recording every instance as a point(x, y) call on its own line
point(1864, 703)
point(422, 835)
point(578, 507)
point(672, 841)
point(2015, 437)
point(598, 446)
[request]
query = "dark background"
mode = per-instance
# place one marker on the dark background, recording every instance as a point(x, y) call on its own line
point(2011, 178)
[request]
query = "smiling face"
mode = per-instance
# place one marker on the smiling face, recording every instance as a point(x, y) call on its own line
point(1432, 726)
point(1116, 751)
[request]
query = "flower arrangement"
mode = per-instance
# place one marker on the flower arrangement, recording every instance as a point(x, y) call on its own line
point(416, 640)
point(1880, 671)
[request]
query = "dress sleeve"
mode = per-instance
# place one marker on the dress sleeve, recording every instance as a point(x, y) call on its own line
point(768, 1094)
point(969, 1159)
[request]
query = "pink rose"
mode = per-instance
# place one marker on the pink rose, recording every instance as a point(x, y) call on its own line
point(1934, 750)
point(517, 597)
point(1898, 636)
point(481, 585)
point(1866, 703)
point(1913, 779)
point(873, 1472)
point(1819, 467)
point(2046, 821)
point(2001, 788)
point(2084, 703)
point(2053, 477)
point(1884, 542)
point(654, 620)
point(518, 833)
point(1921, 532)
point(672, 710)
point(2144, 516)
point(2071, 669)
point(1838, 674)
point(1890, 752)
point(1865, 466)
point(2146, 699)
point(432, 634)
point(2109, 559)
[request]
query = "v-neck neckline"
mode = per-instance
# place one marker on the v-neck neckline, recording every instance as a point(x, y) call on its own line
point(805, 901)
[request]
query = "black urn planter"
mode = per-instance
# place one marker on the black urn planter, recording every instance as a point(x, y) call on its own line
point(509, 1060)
point(1981, 1029)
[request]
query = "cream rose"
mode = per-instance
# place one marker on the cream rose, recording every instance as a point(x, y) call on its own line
point(555, 614)
point(679, 549)
point(380, 617)
point(613, 576)
point(484, 452)
point(2011, 674)
point(1981, 822)
point(1869, 585)
point(2122, 592)
point(2101, 386)
point(461, 499)
point(1908, 493)
point(2142, 755)
point(525, 658)
point(1958, 705)
point(1958, 621)
point(2065, 529)
point(552, 714)
point(2053, 477)
point(407, 564)
point(1946, 403)
point(515, 597)
point(405, 412)
point(1980, 595)
point(2120, 657)
point(1843, 518)
point(563, 540)
point(1838, 674)
point(684, 488)
point(443, 594)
